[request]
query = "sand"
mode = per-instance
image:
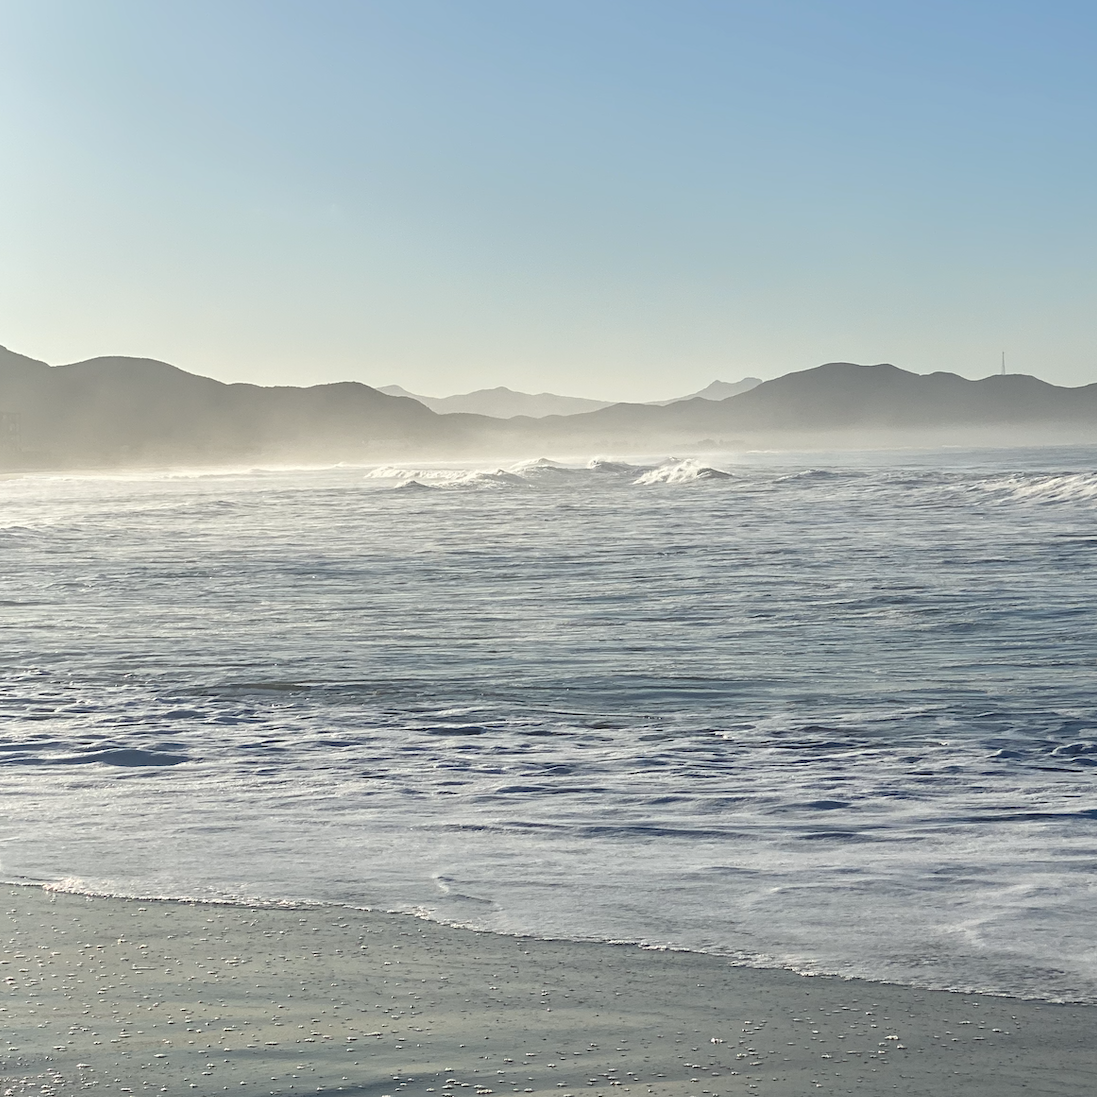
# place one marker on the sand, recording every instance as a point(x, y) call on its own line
point(128, 996)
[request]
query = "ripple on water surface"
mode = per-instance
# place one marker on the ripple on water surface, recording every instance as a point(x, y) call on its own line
point(834, 716)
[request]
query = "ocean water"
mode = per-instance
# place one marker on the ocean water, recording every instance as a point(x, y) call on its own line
point(833, 713)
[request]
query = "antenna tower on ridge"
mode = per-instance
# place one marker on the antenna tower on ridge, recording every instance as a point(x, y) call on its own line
point(1003, 363)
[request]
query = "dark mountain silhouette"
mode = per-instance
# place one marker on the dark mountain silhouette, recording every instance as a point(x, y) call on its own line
point(841, 395)
point(717, 390)
point(504, 403)
point(141, 412)
point(841, 398)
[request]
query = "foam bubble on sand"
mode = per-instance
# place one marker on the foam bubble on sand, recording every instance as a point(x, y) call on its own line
point(204, 998)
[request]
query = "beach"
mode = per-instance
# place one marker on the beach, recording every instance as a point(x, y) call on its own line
point(126, 995)
point(786, 721)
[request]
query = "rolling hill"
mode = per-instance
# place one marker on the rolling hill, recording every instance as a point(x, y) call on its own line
point(112, 411)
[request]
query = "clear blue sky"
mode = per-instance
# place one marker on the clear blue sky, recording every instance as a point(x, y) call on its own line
point(620, 198)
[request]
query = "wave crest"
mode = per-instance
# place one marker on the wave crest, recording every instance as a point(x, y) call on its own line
point(1067, 487)
point(681, 472)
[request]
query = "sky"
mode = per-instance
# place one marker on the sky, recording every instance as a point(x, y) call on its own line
point(622, 199)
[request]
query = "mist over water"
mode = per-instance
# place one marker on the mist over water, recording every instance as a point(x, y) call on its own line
point(833, 714)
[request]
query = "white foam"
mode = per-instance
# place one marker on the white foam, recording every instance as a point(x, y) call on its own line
point(605, 465)
point(839, 727)
point(1073, 487)
point(689, 471)
point(538, 466)
point(448, 477)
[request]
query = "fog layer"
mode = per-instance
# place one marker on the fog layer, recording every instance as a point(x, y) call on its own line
point(136, 412)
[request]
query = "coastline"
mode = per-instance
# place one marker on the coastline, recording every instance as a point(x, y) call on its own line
point(157, 996)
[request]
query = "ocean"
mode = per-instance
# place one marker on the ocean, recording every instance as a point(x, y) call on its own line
point(828, 712)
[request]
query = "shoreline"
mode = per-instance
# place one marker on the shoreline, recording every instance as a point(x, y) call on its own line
point(176, 996)
point(734, 959)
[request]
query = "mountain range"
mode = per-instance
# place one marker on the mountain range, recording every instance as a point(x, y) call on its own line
point(117, 412)
point(504, 403)
point(112, 411)
point(501, 403)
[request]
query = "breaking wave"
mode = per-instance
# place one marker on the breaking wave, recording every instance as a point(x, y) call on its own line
point(540, 471)
point(1068, 487)
point(448, 477)
point(850, 718)
point(681, 472)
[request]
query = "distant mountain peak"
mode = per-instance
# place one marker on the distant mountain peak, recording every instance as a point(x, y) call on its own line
point(501, 402)
point(717, 390)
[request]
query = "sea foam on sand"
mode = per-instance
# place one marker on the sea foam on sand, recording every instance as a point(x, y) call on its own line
point(131, 996)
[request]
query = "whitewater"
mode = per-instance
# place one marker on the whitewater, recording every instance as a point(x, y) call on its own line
point(834, 713)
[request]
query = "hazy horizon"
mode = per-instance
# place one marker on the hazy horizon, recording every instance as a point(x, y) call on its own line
point(608, 200)
point(664, 398)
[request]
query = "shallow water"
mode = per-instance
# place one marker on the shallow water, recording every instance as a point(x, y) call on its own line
point(834, 713)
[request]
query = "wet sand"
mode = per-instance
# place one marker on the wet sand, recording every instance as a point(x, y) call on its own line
point(128, 996)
